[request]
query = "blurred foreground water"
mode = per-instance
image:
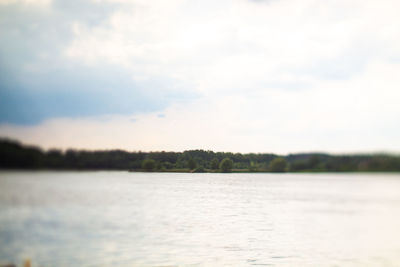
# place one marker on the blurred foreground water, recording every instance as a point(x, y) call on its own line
point(180, 219)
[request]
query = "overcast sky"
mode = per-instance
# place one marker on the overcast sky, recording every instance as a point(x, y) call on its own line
point(229, 75)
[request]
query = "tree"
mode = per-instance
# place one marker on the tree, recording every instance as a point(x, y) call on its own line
point(168, 165)
point(226, 165)
point(148, 164)
point(277, 165)
point(192, 164)
point(253, 166)
point(214, 164)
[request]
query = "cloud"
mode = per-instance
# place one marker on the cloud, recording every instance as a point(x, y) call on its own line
point(91, 92)
point(285, 75)
point(338, 117)
point(253, 44)
point(37, 82)
point(26, 2)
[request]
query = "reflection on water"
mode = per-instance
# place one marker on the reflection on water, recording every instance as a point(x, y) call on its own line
point(177, 219)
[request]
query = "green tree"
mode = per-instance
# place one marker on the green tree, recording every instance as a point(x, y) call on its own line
point(252, 166)
point(214, 164)
point(314, 161)
point(226, 165)
point(277, 165)
point(148, 164)
point(192, 164)
point(168, 165)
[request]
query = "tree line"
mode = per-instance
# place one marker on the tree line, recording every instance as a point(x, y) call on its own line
point(14, 155)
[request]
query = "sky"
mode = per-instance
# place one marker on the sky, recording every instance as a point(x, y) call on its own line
point(280, 76)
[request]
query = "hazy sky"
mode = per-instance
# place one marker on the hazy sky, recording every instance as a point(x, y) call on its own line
point(234, 75)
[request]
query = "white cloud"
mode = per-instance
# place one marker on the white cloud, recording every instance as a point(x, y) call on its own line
point(275, 76)
point(26, 2)
point(346, 116)
point(217, 45)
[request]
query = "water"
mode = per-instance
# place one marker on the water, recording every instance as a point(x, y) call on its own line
point(176, 219)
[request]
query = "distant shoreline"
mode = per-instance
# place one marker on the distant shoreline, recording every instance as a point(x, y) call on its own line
point(15, 156)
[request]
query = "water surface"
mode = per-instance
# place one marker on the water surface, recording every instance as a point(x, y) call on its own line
point(179, 219)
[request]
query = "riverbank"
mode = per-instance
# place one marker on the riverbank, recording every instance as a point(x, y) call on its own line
point(14, 155)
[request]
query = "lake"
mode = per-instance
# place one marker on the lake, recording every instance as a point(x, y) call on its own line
point(180, 219)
